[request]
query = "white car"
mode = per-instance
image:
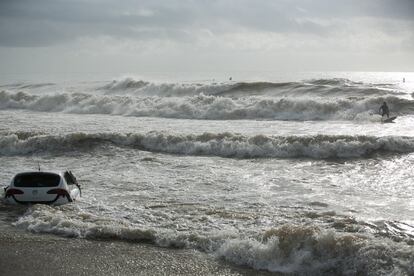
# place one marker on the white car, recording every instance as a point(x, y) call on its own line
point(42, 187)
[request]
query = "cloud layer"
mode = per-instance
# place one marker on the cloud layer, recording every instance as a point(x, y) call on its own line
point(239, 29)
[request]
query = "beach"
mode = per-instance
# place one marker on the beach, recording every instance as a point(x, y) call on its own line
point(295, 174)
point(228, 137)
point(23, 253)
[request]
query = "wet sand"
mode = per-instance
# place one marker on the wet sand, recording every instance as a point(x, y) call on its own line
point(23, 253)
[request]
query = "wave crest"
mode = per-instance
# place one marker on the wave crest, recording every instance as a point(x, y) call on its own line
point(335, 87)
point(307, 250)
point(289, 248)
point(210, 144)
point(207, 107)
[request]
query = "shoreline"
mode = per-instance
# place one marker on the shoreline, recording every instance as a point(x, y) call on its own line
point(23, 253)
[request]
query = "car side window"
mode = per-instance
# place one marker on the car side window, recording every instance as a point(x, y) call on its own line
point(70, 179)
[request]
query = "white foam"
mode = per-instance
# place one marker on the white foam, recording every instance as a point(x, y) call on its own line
point(311, 251)
point(138, 87)
point(65, 222)
point(205, 106)
point(286, 249)
point(212, 144)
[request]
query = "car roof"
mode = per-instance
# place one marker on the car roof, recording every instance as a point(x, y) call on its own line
point(39, 173)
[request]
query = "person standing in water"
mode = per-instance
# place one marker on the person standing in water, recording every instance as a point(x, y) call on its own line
point(384, 110)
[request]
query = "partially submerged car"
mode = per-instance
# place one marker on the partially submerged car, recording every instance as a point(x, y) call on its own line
point(43, 187)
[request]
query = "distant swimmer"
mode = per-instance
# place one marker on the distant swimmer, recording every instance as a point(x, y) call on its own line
point(403, 79)
point(384, 110)
point(230, 78)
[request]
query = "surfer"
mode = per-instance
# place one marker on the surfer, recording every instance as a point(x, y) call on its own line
point(384, 110)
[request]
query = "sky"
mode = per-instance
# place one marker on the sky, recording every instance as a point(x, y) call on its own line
point(45, 36)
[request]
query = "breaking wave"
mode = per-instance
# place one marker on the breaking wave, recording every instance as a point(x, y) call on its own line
point(210, 144)
point(207, 106)
point(307, 250)
point(298, 249)
point(318, 87)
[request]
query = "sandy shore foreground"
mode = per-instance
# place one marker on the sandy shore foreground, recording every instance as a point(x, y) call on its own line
point(23, 253)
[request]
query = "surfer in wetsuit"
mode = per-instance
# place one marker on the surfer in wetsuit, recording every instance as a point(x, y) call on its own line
point(384, 110)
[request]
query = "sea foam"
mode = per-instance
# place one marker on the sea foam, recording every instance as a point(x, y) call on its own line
point(228, 145)
point(292, 249)
point(207, 107)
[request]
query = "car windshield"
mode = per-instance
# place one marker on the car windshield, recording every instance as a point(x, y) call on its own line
point(36, 180)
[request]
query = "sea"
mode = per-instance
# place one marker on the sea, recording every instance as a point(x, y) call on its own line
point(287, 172)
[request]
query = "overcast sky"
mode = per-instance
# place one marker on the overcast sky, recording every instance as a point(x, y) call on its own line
point(205, 35)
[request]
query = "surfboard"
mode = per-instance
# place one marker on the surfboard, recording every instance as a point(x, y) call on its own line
point(389, 120)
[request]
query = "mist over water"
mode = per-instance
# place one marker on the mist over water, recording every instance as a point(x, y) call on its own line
point(291, 174)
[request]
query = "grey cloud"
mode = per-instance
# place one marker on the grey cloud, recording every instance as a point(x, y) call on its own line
point(45, 22)
point(28, 23)
point(400, 9)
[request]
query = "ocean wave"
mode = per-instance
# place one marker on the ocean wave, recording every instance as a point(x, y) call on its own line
point(307, 250)
point(297, 249)
point(144, 88)
point(335, 81)
point(207, 107)
point(210, 144)
point(317, 87)
point(22, 85)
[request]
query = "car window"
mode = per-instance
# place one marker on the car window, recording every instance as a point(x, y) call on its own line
point(70, 178)
point(37, 180)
